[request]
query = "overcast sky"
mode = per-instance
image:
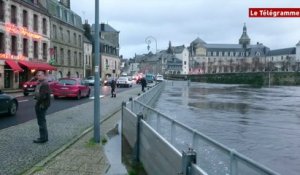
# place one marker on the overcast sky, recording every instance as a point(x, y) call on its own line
point(182, 21)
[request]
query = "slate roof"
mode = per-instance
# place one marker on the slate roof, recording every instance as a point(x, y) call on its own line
point(285, 51)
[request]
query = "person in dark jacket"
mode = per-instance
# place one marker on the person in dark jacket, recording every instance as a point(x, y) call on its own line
point(113, 88)
point(42, 96)
point(143, 83)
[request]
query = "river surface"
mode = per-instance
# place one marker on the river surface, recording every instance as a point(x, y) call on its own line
point(261, 123)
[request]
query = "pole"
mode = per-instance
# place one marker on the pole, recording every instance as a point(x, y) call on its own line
point(97, 84)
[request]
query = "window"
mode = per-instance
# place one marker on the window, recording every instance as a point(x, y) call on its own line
point(75, 58)
point(35, 22)
point(220, 54)
point(35, 49)
point(45, 51)
point(79, 40)
point(214, 53)
point(75, 38)
point(25, 47)
point(86, 60)
point(14, 45)
point(62, 56)
point(208, 53)
point(44, 26)
point(54, 32)
point(2, 46)
point(69, 57)
point(80, 59)
point(25, 18)
point(2, 10)
point(66, 15)
point(55, 54)
point(61, 33)
point(13, 14)
point(184, 62)
point(236, 54)
point(69, 36)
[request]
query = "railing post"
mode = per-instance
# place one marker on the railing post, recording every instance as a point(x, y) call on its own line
point(130, 99)
point(173, 132)
point(122, 115)
point(138, 137)
point(233, 163)
point(188, 158)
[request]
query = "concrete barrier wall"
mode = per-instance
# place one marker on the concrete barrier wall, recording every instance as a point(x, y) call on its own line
point(157, 155)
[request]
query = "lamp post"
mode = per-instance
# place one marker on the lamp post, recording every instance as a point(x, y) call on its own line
point(148, 41)
point(97, 77)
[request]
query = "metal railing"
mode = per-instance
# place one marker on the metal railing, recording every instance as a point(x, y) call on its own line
point(212, 156)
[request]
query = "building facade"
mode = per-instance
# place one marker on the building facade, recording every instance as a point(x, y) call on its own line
point(226, 58)
point(109, 51)
point(24, 41)
point(87, 60)
point(66, 39)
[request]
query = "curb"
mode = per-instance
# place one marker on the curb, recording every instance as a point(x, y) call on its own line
point(67, 145)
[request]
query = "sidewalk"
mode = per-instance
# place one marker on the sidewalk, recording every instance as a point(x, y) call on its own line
point(18, 154)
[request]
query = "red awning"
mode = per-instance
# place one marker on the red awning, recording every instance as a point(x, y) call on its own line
point(37, 65)
point(12, 64)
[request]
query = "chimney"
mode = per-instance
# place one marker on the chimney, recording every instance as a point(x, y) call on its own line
point(66, 3)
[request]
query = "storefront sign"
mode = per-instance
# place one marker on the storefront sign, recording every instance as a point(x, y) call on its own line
point(21, 30)
point(13, 57)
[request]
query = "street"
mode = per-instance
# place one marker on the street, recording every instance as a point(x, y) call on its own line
point(26, 106)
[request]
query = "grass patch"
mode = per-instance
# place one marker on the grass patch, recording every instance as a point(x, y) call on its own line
point(38, 169)
point(104, 141)
point(91, 143)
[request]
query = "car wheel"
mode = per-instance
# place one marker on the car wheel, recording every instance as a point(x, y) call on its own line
point(89, 93)
point(25, 93)
point(78, 95)
point(55, 97)
point(13, 107)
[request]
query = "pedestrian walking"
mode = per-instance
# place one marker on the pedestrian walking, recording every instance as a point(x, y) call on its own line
point(143, 83)
point(113, 88)
point(42, 97)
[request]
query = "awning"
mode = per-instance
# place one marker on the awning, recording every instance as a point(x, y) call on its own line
point(13, 65)
point(37, 65)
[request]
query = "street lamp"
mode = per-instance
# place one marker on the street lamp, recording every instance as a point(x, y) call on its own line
point(148, 41)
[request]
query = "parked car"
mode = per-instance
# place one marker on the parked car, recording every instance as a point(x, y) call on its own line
point(91, 80)
point(149, 78)
point(71, 87)
point(8, 104)
point(124, 81)
point(159, 78)
point(29, 86)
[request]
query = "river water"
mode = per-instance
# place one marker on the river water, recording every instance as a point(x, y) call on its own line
point(261, 123)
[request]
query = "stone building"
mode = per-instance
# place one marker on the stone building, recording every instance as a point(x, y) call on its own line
point(222, 58)
point(66, 39)
point(109, 51)
point(24, 41)
point(87, 51)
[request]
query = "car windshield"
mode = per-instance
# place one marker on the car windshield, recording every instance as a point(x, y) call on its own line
point(90, 78)
point(123, 78)
point(67, 81)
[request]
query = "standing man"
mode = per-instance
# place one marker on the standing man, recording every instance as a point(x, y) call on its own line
point(113, 87)
point(143, 83)
point(42, 96)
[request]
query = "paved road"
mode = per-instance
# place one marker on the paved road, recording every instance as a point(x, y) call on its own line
point(26, 107)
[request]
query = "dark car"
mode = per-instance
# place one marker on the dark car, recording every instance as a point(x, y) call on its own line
point(8, 104)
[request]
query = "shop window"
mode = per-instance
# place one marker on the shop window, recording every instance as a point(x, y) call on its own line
point(2, 46)
point(25, 18)
point(35, 49)
point(2, 10)
point(45, 51)
point(16, 78)
point(44, 26)
point(25, 47)
point(13, 14)
point(14, 45)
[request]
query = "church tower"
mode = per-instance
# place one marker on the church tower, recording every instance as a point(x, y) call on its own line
point(244, 40)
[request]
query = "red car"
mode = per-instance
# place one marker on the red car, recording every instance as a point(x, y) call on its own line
point(71, 87)
point(29, 86)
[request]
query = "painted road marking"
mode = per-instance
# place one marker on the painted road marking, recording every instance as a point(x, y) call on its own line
point(22, 101)
point(101, 96)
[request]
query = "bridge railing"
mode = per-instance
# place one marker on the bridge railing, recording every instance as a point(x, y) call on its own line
point(211, 157)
